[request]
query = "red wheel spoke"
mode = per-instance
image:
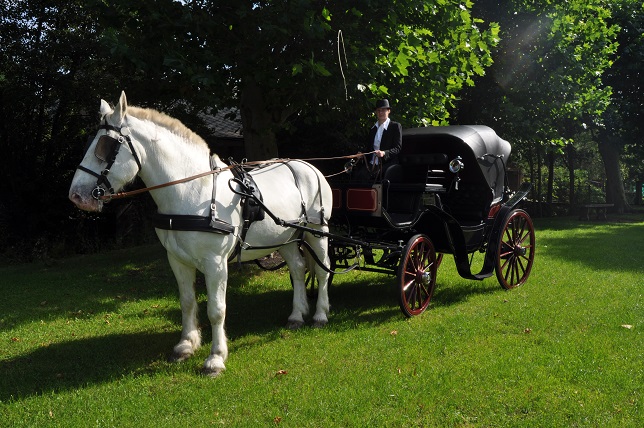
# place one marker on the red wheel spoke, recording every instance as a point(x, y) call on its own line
point(416, 275)
point(506, 253)
point(407, 285)
point(515, 253)
point(505, 263)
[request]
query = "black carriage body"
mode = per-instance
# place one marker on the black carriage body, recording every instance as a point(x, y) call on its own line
point(421, 195)
point(446, 195)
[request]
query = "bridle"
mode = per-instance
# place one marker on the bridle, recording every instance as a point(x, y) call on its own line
point(106, 150)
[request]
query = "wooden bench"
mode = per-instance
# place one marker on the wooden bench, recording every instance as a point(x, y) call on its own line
point(599, 209)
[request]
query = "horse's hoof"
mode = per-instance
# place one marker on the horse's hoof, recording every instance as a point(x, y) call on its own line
point(294, 325)
point(215, 372)
point(320, 324)
point(178, 357)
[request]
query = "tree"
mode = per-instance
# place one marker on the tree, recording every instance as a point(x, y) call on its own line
point(279, 62)
point(620, 131)
point(546, 85)
point(275, 59)
point(50, 66)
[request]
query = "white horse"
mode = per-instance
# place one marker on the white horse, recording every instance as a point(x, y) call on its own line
point(134, 141)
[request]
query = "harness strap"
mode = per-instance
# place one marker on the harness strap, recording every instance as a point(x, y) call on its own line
point(197, 223)
point(193, 223)
point(213, 200)
point(297, 185)
point(101, 179)
point(322, 219)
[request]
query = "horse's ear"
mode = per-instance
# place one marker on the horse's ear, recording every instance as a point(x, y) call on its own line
point(105, 108)
point(121, 108)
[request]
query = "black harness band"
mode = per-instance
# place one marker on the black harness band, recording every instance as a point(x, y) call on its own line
point(196, 223)
point(192, 223)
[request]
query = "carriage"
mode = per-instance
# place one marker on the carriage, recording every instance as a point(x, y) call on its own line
point(448, 194)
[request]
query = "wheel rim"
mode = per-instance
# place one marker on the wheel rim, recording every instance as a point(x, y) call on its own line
point(516, 250)
point(417, 275)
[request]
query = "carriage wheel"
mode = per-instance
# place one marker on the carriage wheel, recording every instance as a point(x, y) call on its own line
point(417, 275)
point(516, 250)
point(273, 261)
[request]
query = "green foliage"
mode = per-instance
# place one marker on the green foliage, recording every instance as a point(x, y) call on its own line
point(278, 62)
point(585, 43)
point(625, 116)
point(52, 68)
point(83, 341)
point(419, 56)
point(553, 79)
point(427, 57)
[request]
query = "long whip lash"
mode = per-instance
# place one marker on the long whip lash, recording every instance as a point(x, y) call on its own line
point(344, 79)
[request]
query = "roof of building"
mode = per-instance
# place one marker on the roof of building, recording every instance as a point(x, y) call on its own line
point(226, 123)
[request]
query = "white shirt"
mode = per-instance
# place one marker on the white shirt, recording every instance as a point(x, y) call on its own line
point(378, 138)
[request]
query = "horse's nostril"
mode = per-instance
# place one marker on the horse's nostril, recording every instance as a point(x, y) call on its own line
point(75, 198)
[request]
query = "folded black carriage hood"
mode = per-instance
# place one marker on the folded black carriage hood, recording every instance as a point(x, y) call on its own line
point(474, 143)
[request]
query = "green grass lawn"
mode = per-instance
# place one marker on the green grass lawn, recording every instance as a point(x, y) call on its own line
point(84, 342)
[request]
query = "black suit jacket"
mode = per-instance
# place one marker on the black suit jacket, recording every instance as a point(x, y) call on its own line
point(391, 142)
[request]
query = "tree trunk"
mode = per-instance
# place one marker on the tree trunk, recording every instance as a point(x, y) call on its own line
point(609, 151)
point(550, 156)
point(570, 154)
point(539, 181)
point(258, 122)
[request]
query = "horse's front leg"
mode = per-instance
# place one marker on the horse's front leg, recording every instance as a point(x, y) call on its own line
point(216, 281)
point(297, 270)
point(190, 334)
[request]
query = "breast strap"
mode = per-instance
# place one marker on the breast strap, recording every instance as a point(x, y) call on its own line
point(195, 223)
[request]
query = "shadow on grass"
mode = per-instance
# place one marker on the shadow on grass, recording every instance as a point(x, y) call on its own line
point(610, 247)
point(69, 365)
point(372, 302)
point(87, 285)
point(461, 290)
point(250, 312)
point(74, 364)
point(377, 302)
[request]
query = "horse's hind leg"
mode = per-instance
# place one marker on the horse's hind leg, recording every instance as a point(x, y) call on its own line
point(190, 335)
point(321, 248)
point(297, 269)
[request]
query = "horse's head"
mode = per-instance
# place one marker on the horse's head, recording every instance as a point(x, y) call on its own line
point(110, 161)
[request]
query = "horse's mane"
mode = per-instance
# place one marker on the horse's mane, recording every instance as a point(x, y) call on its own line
point(162, 119)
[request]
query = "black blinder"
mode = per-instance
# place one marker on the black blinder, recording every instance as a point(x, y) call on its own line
point(106, 148)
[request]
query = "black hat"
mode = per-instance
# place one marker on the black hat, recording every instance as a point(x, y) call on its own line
point(383, 104)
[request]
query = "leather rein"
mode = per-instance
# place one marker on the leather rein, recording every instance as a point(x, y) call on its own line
point(121, 195)
point(105, 192)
